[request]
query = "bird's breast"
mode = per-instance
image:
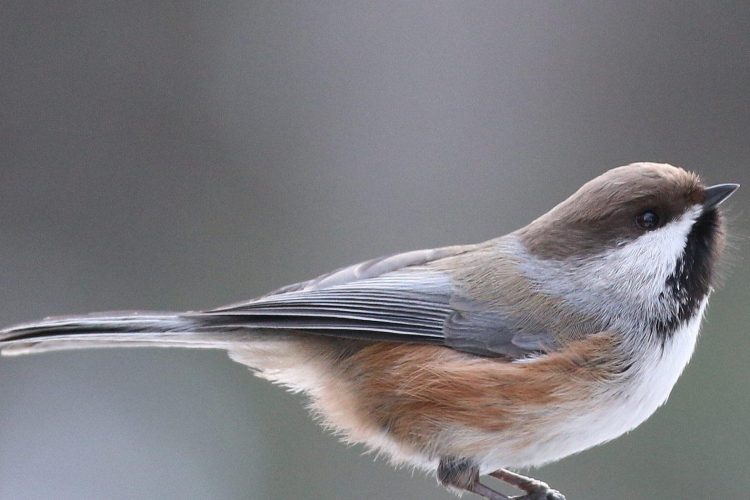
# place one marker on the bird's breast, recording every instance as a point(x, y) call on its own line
point(418, 403)
point(607, 408)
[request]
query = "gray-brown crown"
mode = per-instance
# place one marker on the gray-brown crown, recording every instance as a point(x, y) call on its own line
point(602, 213)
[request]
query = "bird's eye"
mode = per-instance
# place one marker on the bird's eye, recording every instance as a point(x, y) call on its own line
point(647, 220)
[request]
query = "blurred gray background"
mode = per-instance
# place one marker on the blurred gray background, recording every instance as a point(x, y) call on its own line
point(180, 155)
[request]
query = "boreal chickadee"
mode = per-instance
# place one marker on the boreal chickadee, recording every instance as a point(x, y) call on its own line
point(469, 359)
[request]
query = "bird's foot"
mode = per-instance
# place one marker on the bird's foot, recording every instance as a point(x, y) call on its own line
point(542, 494)
point(463, 474)
point(535, 490)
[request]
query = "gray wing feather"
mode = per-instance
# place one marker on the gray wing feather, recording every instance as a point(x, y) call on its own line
point(413, 303)
point(493, 333)
point(372, 268)
point(398, 298)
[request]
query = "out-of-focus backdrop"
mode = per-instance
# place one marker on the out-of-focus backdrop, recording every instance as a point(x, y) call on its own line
point(180, 155)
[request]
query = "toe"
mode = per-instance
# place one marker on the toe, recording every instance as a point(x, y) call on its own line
point(554, 495)
point(544, 493)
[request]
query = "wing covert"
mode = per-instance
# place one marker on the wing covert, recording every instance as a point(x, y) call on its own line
point(399, 298)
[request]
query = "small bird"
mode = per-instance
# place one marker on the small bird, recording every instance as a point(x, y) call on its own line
point(469, 360)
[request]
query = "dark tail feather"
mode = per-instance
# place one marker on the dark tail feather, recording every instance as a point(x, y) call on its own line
point(118, 329)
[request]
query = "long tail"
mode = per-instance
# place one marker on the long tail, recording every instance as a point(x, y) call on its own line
point(118, 329)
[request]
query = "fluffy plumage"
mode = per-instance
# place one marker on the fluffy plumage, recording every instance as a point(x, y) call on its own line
point(512, 352)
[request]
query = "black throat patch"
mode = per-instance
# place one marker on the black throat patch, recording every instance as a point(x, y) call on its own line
point(691, 281)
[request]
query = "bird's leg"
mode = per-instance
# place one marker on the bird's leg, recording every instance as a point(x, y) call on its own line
point(535, 490)
point(463, 474)
point(486, 492)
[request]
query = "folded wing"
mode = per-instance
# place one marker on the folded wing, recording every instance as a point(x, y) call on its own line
point(400, 298)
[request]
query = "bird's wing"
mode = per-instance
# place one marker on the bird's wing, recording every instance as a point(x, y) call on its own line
point(400, 298)
point(409, 297)
point(372, 268)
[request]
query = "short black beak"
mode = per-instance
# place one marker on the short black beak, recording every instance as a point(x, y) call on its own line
point(715, 195)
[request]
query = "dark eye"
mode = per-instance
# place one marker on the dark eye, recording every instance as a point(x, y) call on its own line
point(647, 220)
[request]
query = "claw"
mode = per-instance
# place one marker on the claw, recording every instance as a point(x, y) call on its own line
point(542, 494)
point(535, 490)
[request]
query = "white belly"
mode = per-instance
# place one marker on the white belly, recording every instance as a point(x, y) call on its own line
point(561, 431)
point(615, 413)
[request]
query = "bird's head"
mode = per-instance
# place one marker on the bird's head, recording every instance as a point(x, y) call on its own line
point(643, 238)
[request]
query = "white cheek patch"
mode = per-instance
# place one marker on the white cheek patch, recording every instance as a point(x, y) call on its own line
point(640, 268)
point(622, 285)
point(658, 250)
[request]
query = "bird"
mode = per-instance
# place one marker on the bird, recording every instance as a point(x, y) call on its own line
point(474, 360)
